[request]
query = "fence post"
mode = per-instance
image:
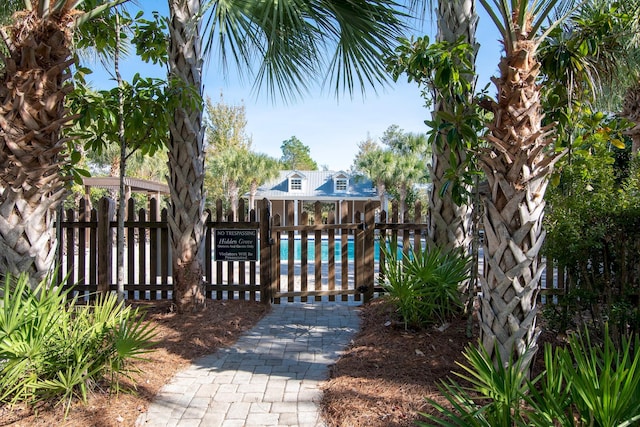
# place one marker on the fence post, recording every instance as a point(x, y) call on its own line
point(358, 257)
point(105, 244)
point(369, 263)
point(265, 252)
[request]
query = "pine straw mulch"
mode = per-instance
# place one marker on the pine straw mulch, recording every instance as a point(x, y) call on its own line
point(382, 379)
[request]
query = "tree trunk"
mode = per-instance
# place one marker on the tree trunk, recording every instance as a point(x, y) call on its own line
point(252, 195)
point(233, 199)
point(517, 168)
point(186, 161)
point(32, 113)
point(381, 192)
point(123, 166)
point(450, 224)
point(631, 112)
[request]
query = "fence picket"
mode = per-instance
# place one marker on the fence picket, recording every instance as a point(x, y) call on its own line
point(331, 244)
point(304, 257)
point(344, 248)
point(130, 232)
point(317, 243)
point(86, 242)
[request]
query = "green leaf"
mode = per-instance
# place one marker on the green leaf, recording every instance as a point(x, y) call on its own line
point(618, 143)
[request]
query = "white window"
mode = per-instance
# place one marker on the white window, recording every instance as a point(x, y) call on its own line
point(295, 184)
point(341, 184)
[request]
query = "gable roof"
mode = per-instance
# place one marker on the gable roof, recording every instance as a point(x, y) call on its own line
point(317, 185)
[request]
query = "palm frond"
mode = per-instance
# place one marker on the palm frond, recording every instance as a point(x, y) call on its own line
point(287, 41)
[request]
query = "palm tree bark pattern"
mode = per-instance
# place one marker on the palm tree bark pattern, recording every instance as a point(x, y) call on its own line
point(32, 114)
point(450, 223)
point(186, 215)
point(517, 165)
point(631, 112)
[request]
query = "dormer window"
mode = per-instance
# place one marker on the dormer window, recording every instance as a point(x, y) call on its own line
point(341, 184)
point(296, 183)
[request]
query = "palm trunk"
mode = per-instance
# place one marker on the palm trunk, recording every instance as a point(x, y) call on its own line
point(233, 199)
point(517, 168)
point(252, 194)
point(381, 191)
point(32, 114)
point(402, 195)
point(631, 112)
point(186, 161)
point(449, 223)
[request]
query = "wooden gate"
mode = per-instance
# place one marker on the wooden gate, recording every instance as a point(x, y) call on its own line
point(334, 258)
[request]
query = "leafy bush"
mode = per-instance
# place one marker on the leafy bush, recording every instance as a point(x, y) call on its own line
point(52, 348)
point(584, 384)
point(593, 234)
point(423, 285)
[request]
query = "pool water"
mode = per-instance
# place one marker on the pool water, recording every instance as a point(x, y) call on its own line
point(324, 248)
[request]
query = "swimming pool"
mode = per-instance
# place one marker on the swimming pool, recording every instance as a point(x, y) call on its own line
point(324, 250)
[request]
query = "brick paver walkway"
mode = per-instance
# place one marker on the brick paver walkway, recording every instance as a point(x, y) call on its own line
point(270, 377)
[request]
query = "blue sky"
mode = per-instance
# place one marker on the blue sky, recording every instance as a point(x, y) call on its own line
point(331, 128)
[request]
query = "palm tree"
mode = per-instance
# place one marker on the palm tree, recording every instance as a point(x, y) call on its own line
point(263, 168)
point(409, 152)
point(34, 81)
point(240, 170)
point(517, 165)
point(378, 165)
point(631, 112)
point(231, 166)
point(450, 222)
point(408, 170)
point(292, 39)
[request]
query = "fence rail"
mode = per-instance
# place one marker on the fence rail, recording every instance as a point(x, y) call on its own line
point(345, 264)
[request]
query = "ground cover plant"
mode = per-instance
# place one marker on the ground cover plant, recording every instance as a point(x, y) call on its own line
point(584, 383)
point(387, 377)
point(179, 339)
point(53, 349)
point(423, 284)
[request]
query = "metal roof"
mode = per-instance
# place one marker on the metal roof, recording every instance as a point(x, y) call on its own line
point(317, 185)
point(136, 185)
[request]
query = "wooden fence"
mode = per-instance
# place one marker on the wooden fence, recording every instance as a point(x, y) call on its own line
point(345, 264)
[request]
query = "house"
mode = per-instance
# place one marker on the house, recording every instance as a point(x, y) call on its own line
point(302, 187)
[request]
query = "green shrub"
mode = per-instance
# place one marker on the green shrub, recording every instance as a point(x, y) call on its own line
point(53, 348)
point(596, 383)
point(593, 234)
point(423, 285)
point(493, 397)
point(583, 384)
